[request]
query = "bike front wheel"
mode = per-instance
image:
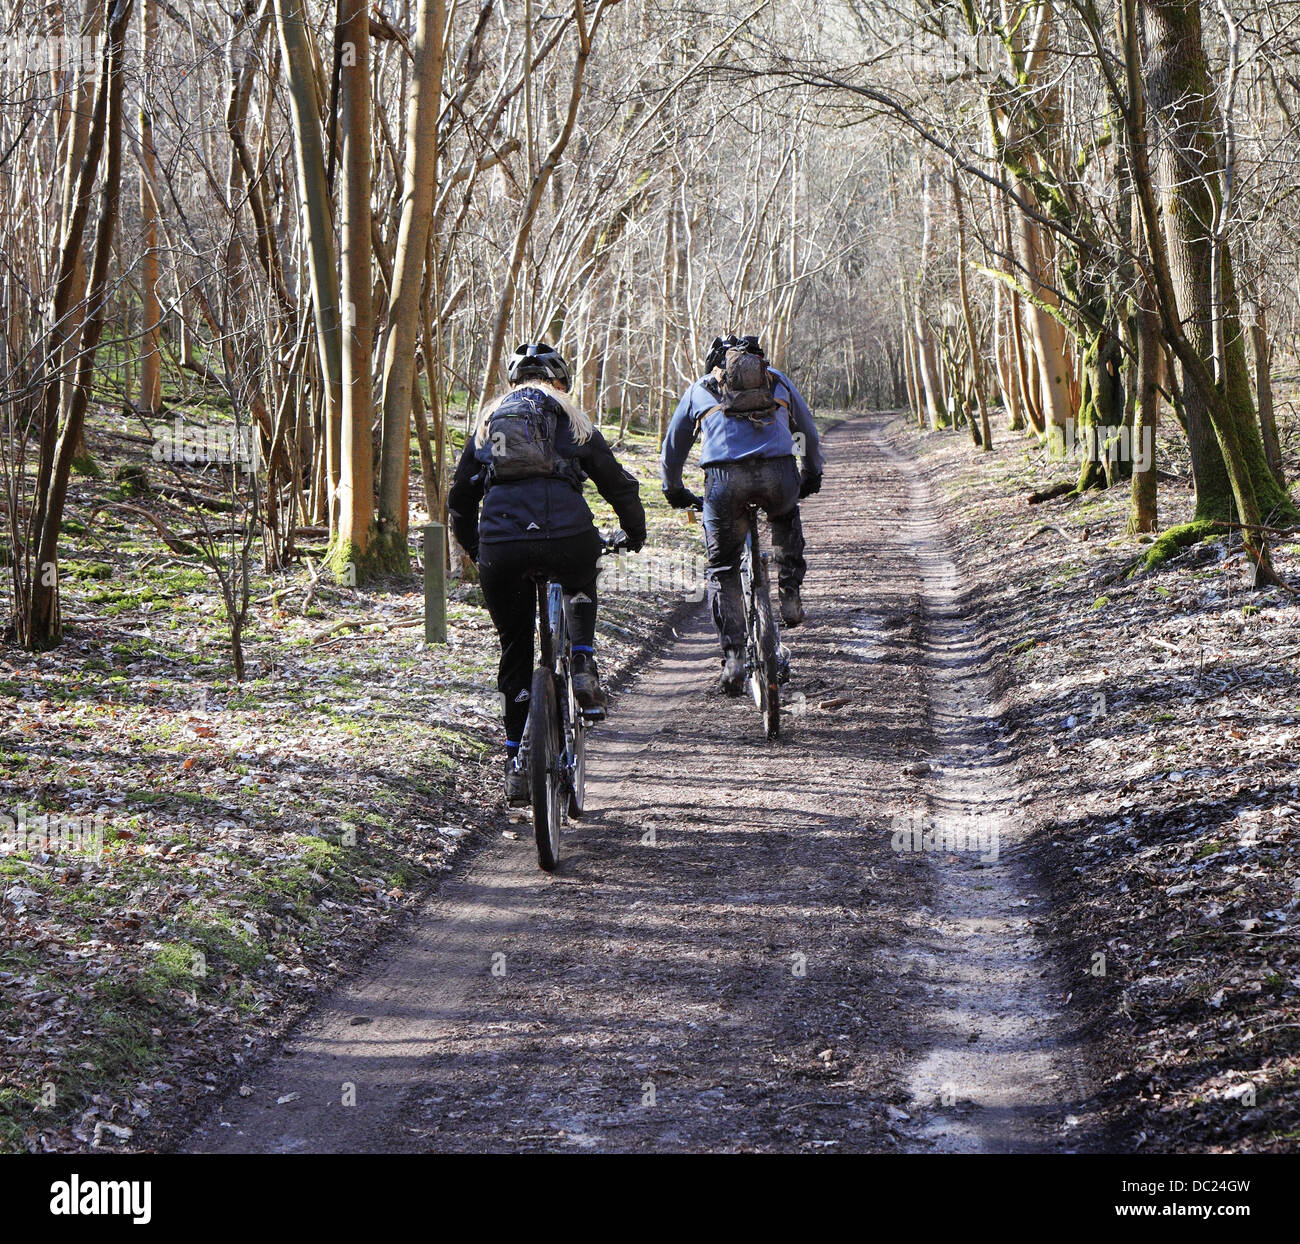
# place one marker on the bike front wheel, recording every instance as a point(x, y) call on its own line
point(546, 747)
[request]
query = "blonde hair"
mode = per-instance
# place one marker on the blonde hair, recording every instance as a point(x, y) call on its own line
point(578, 419)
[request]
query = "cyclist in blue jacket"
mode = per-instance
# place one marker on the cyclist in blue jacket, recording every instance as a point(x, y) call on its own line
point(532, 450)
point(752, 422)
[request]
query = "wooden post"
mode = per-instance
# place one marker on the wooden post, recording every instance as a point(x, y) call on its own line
point(435, 584)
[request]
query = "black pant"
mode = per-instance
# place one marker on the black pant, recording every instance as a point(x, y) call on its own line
point(730, 489)
point(511, 598)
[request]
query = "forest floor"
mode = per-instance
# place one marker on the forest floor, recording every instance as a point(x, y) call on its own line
point(1156, 717)
point(221, 852)
point(741, 949)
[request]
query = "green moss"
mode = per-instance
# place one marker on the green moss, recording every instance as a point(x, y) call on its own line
point(131, 480)
point(172, 967)
point(390, 553)
point(18, 1106)
point(222, 944)
point(1173, 541)
point(383, 557)
point(86, 570)
point(320, 853)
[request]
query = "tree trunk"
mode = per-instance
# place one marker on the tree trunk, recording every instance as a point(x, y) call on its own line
point(43, 625)
point(1101, 411)
point(1143, 514)
point(1263, 351)
point(1179, 86)
point(925, 351)
point(977, 377)
point(77, 134)
point(419, 175)
point(150, 311)
point(1227, 450)
point(313, 190)
point(350, 555)
point(1046, 334)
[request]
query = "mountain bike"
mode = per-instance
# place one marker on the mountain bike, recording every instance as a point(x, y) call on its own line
point(554, 739)
point(767, 664)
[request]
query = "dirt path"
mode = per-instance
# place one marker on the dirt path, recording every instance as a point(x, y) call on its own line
point(734, 955)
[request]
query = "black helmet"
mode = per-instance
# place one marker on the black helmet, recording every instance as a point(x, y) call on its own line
point(718, 350)
point(538, 362)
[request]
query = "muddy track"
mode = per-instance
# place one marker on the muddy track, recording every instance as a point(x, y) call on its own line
point(735, 954)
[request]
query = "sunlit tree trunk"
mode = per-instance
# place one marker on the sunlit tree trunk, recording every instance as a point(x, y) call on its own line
point(1143, 514)
point(78, 128)
point(150, 311)
point(976, 372)
point(1046, 333)
point(43, 625)
point(1227, 450)
point(349, 555)
point(419, 175)
point(1263, 352)
point(309, 154)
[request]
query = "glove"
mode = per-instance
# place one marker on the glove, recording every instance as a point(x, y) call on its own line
point(809, 483)
point(682, 498)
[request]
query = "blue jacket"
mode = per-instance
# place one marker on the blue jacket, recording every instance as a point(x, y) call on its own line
point(725, 438)
point(542, 508)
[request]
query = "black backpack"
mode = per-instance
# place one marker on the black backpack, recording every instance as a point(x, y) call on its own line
point(521, 436)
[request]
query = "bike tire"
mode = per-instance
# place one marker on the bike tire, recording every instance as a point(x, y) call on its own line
point(545, 748)
point(578, 778)
point(767, 667)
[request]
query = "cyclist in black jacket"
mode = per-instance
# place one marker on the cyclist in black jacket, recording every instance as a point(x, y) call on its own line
point(531, 452)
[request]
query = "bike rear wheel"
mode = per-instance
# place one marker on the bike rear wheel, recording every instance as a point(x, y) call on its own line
point(546, 747)
point(765, 665)
point(763, 644)
point(576, 733)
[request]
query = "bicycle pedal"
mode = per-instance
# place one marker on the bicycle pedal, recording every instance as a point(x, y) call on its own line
point(594, 714)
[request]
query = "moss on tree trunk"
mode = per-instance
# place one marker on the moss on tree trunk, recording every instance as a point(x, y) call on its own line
point(1101, 414)
point(1232, 475)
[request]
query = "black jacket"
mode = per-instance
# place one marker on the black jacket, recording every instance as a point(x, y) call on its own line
point(543, 508)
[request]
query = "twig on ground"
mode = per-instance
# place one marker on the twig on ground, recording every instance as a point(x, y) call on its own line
point(1040, 529)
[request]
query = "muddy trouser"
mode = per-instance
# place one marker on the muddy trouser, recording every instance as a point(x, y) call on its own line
point(730, 489)
point(511, 598)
